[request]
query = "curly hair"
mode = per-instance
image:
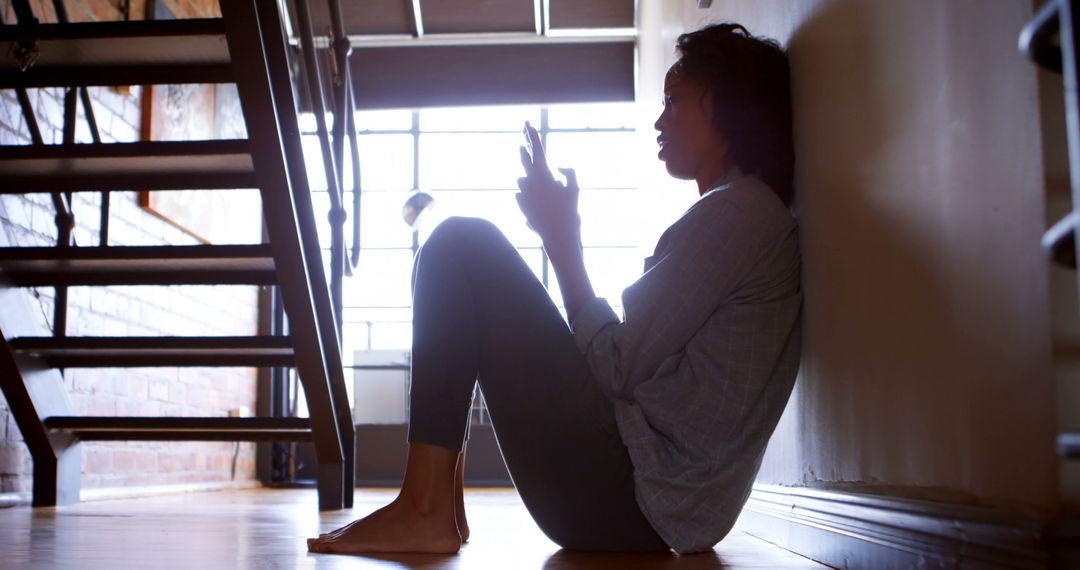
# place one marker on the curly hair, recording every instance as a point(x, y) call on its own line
point(748, 79)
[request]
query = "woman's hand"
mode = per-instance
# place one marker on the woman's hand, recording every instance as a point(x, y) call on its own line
point(550, 207)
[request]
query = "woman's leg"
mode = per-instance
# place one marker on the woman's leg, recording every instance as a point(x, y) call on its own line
point(479, 312)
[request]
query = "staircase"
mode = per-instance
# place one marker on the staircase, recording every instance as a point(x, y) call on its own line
point(246, 47)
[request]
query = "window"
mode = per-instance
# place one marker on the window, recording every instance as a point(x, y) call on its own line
point(467, 159)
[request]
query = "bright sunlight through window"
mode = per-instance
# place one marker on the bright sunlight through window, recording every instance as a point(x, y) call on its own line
point(467, 159)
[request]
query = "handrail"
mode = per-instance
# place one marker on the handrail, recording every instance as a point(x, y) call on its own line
point(346, 106)
point(1037, 38)
point(354, 151)
point(311, 66)
point(1049, 40)
point(336, 216)
point(332, 149)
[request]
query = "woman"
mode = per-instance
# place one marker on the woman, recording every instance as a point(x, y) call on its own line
point(636, 435)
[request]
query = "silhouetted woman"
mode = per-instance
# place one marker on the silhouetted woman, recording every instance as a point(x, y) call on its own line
point(643, 434)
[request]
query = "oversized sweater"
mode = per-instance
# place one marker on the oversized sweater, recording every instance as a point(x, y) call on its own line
point(704, 360)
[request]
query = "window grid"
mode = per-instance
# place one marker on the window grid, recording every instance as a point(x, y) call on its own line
point(370, 324)
point(415, 132)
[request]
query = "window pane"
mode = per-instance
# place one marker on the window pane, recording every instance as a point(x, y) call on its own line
point(326, 259)
point(553, 288)
point(391, 336)
point(509, 118)
point(390, 120)
point(354, 336)
point(611, 270)
point(320, 205)
point(535, 260)
point(386, 162)
point(380, 216)
point(308, 125)
point(601, 159)
point(470, 165)
point(384, 393)
point(301, 398)
point(377, 327)
point(611, 217)
point(316, 172)
point(592, 116)
point(376, 314)
point(306, 122)
point(470, 161)
point(383, 280)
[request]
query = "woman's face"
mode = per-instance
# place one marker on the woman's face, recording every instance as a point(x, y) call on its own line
point(689, 145)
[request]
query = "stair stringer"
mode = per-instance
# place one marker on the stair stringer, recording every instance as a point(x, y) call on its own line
point(284, 223)
point(277, 59)
point(34, 391)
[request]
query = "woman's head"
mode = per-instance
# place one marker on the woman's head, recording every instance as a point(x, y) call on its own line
point(729, 94)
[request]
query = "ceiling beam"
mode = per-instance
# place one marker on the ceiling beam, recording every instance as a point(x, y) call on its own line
point(454, 75)
point(494, 38)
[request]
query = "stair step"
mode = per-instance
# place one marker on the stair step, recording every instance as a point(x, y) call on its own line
point(114, 352)
point(138, 265)
point(156, 165)
point(182, 429)
point(141, 52)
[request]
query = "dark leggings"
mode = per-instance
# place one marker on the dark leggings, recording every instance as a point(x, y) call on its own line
point(481, 315)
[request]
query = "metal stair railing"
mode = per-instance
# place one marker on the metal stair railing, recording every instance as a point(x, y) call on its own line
point(332, 143)
point(1050, 40)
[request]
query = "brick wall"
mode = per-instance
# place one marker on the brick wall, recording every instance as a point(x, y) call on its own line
point(27, 220)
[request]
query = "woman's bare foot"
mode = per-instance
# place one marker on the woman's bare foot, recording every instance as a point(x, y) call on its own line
point(423, 518)
point(459, 515)
point(397, 527)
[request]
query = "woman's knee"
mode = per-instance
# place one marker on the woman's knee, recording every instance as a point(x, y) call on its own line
point(468, 234)
point(461, 227)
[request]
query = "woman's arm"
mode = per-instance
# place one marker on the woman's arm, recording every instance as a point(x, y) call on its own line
point(573, 279)
point(550, 207)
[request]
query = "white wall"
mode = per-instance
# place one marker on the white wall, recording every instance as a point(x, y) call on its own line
point(927, 364)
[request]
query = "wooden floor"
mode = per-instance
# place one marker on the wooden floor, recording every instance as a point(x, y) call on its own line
point(263, 528)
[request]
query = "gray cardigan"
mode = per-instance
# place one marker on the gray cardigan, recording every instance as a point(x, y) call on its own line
point(702, 365)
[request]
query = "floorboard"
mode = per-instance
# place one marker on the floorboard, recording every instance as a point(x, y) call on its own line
point(267, 528)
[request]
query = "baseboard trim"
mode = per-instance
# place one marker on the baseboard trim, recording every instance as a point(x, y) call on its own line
point(13, 500)
point(112, 493)
point(847, 530)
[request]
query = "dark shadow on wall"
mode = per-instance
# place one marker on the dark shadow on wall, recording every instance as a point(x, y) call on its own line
point(894, 320)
